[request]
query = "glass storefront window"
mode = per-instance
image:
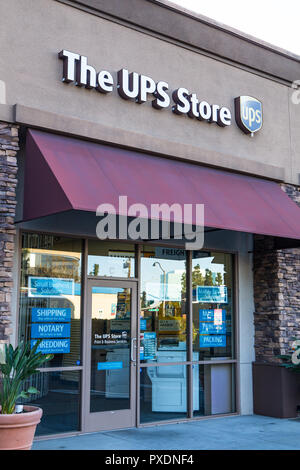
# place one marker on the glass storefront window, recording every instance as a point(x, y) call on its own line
point(59, 398)
point(110, 349)
point(50, 296)
point(163, 305)
point(212, 281)
point(213, 389)
point(163, 393)
point(111, 259)
point(50, 310)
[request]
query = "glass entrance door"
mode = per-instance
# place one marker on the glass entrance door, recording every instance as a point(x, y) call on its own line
point(109, 393)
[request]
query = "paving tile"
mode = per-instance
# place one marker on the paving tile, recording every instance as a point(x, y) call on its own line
point(230, 433)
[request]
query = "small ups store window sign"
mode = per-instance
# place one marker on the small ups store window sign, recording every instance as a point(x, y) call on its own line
point(210, 294)
point(47, 325)
point(141, 88)
point(50, 287)
point(52, 325)
point(212, 328)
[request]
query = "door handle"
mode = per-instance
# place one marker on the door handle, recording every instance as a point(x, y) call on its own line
point(133, 347)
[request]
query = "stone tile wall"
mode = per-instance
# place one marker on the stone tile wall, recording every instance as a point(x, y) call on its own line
point(9, 146)
point(276, 294)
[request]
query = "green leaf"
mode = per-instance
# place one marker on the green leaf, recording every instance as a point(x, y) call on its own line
point(32, 390)
point(20, 364)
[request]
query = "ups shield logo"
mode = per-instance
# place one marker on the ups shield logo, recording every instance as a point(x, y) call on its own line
point(248, 114)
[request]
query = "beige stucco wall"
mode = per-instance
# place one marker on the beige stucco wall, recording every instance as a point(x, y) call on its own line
point(33, 32)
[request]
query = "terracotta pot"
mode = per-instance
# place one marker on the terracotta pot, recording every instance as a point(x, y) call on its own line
point(17, 430)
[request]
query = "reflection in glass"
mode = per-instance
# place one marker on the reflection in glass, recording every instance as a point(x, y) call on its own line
point(163, 393)
point(163, 305)
point(50, 296)
point(212, 305)
point(110, 349)
point(59, 399)
point(110, 259)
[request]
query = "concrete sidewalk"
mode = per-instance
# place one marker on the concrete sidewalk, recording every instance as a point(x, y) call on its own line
point(230, 433)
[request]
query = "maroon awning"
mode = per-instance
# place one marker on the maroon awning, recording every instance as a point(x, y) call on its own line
point(63, 173)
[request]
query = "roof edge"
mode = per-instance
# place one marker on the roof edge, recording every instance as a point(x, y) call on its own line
point(167, 21)
point(226, 28)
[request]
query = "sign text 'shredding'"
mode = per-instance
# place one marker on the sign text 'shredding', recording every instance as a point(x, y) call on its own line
point(136, 87)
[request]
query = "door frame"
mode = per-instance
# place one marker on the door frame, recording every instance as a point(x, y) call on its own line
point(108, 420)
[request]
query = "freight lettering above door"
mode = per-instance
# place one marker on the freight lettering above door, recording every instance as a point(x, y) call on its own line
point(141, 88)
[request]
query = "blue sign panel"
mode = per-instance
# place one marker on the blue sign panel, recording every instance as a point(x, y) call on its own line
point(50, 330)
point(50, 314)
point(53, 346)
point(49, 286)
point(113, 309)
point(212, 329)
point(209, 315)
point(148, 345)
point(109, 365)
point(212, 341)
point(149, 335)
point(211, 294)
point(143, 324)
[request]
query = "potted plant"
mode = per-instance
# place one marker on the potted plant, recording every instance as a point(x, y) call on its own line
point(292, 361)
point(17, 428)
point(276, 386)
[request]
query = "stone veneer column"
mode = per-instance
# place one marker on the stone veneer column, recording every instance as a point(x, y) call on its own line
point(276, 294)
point(9, 145)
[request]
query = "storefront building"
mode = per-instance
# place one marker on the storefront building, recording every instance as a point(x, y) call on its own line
point(143, 100)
